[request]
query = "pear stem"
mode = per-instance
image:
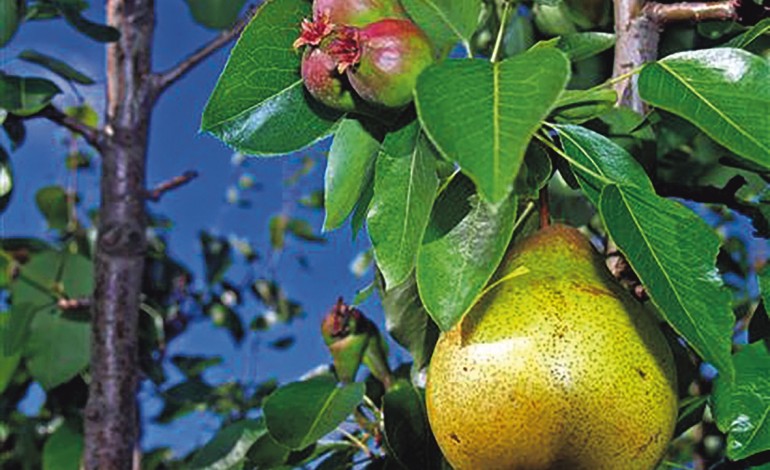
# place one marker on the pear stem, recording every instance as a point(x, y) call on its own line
point(545, 211)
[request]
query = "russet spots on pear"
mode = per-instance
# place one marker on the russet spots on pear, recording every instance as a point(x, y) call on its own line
point(557, 367)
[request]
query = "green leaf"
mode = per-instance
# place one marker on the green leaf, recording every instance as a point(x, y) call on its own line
point(465, 241)
point(534, 173)
point(266, 452)
point(9, 360)
point(673, 251)
point(6, 179)
point(215, 14)
point(722, 91)
point(25, 96)
point(405, 184)
point(63, 450)
point(52, 203)
point(361, 212)
point(60, 68)
point(407, 320)
point(10, 17)
point(57, 349)
point(229, 446)
point(348, 170)
point(97, 32)
point(259, 105)
point(407, 432)
point(445, 22)
point(742, 406)
point(746, 39)
point(48, 272)
point(482, 115)
point(300, 413)
point(596, 156)
point(580, 46)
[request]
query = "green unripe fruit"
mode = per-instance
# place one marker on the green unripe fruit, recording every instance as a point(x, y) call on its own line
point(555, 367)
point(392, 55)
point(357, 12)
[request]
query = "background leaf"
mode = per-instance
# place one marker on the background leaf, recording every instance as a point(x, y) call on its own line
point(404, 187)
point(57, 349)
point(502, 106)
point(215, 14)
point(722, 91)
point(300, 413)
point(407, 432)
point(463, 244)
point(10, 17)
point(673, 252)
point(259, 105)
point(445, 22)
point(580, 46)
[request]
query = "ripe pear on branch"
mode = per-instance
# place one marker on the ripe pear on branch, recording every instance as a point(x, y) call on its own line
point(555, 367)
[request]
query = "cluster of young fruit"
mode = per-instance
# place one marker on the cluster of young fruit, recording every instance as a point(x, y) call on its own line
point(362, 52)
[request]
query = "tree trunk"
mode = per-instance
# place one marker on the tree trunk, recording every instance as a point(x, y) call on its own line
point(111, 412)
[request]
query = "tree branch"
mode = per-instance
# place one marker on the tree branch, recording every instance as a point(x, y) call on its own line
point(663, 13)
point(164, 80)
point(169, 185)
point(92, 135)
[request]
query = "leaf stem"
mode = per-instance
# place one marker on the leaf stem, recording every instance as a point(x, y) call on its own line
point(499, 41)
point(356, 441)
point(571, 160)
point(612, 81)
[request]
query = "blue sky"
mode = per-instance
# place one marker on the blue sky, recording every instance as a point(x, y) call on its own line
point(177, 146)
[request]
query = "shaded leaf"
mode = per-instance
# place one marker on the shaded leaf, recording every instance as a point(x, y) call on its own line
point(9, 358)
point(25, 95)
point(194, 366)
point(229, 446)
point(741, 407)
point(463, 244)
point(407, 321)
point(259, 105)
point(501, 105)
point(722, 91)
point(407, 432)
point(301, 229)
point(63, 450)
point(580, 46)
point(59, 67)
point(576, 106)
point(744, 40)
point(404, 187)
point(10, 17)
point(300, 413)
point(673, 251)
point(97, 32)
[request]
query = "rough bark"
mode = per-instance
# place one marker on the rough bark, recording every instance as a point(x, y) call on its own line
point(111, 412)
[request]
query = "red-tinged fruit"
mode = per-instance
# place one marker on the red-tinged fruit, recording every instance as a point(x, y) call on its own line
point(357, 12)
point(393, 53)
point(324, 81)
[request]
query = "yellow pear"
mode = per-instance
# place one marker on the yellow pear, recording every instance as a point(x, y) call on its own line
point(555, 367)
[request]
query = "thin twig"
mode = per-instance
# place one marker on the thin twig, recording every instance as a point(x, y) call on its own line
point(169, 185)
point(165, 79)
point(91, 135)
point(364, 448)
point(74, 304)
point(662, 13)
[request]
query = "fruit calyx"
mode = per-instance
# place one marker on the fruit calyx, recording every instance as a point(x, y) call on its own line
point(313, 32)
